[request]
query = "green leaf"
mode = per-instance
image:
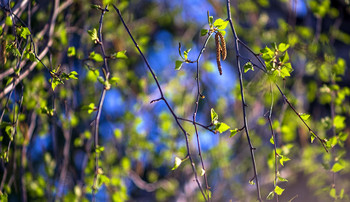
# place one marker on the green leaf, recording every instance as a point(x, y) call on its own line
point(251, 182)
point(93, 35)
point(222, 32)
point(234, 132)
point(271, 195)
point(283, 159)
point(284, 58)
point(95, 56)
point(204, 32)
point(279, 190)
point(337, 167)
point(281, 179)
point(178, 64)
point(8, 21)
point(186, 53)
point(202, 172)
point(333, 193)
point(222, 127)
point(71, 51)
point(211, 20)
point(220, 23)
point(120, 55)
point(214, 116)
point(25, 32)
point(313, 136)
point(339, 122)
point(304, 116)
point(72, 75)
point(177, 163)
point(91, 108)
point(272, 141)
point(248, 66)
point(341, 195)
point(283, 47)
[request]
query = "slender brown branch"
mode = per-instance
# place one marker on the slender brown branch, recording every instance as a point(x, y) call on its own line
point(166, 103)
point(100, 105)
point(323, 142)
point(244, 105)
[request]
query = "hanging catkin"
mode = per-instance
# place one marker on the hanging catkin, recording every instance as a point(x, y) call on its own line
point(218, 52)
point(223, 46)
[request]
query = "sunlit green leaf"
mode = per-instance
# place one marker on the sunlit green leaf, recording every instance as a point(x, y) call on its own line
point(304, 116)
point(279, 190)
point(95, 56)
point(214, 116)
point(337, 167)
point(233, 132)
point(271, 195)
point(281, 179)
point(93, 35)
point(220, 23)
point(177, 163)
point(120, 55)
point(222, 127)
point(248, 66)
point(202, 172)
point(283, 47)
point(25, 32)
point(178, 64)
point(332, 193)
point(186, 53)
point(71, 51)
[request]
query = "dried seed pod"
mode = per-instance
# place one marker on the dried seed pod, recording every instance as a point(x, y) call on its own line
point(223, 46)
point(218, 52)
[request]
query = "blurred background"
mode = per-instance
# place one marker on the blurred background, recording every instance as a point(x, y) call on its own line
point(47, 151)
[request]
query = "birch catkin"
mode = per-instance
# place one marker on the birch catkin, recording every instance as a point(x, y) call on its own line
point(218, 52)
point(223, 46)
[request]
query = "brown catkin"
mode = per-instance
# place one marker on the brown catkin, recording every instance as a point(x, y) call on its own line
point(218, 52)
point(223, 46)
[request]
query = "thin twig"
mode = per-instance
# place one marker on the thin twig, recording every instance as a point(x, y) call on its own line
point(100, 105)
point(243, 100)
point(323, 142)
point(166, 102)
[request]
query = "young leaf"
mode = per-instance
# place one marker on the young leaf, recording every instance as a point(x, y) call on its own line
point(211, 20)
point(8, 21)
point(178, 64)
point(222, 127)
point(279, 190)
point(186, 53)
point(248, 66)
point(72, 75)
point(234, 132)
point(202, 172)
point(337, 167)
point(283, 47)
point(251, 182)
point(333, 193)
point(271, 195)
point(214, 116)
point(281, 179)
point(283, 159)
point(71, 51)
point(93, 35)
point(120, 55)
point(304, 116)
point(177, 163)
point(204, 32)
point(272, 141)
point(313, 136)
point(220, 23)
point(25, 32)
point(95, 56)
